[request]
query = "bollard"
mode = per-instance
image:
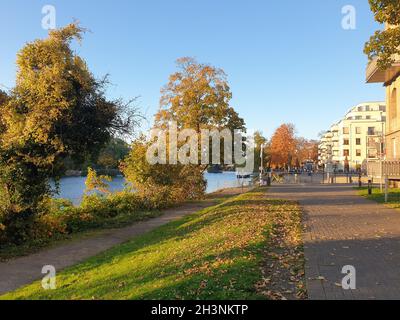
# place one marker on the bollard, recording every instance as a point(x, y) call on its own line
point(386, 189)
point(369, 187)
point(359, 181)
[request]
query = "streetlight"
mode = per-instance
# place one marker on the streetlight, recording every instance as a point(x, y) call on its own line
point(262, 165)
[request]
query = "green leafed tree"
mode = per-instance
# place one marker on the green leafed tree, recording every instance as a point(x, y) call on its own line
point(57, 109)
point(384, 44)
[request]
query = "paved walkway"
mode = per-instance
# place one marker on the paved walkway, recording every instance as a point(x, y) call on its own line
point(345, 229)
point(25, 270)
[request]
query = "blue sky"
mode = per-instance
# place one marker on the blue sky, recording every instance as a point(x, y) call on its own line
point(286, 61)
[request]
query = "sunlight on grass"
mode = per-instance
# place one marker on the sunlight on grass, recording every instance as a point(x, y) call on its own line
point(216, 253)
point(378, 196)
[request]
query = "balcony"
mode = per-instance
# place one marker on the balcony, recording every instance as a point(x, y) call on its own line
point(376, 75)
point(335, 128)
point(391, 169)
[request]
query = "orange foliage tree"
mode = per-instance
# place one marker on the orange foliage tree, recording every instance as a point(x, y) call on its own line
point(283, 146)
point(287, 150)
point(307, 150)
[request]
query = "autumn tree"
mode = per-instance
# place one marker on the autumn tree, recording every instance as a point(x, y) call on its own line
point(196, 97)
point(161, 184)
point(3, 98)
point(97, 183)
point(56, 109)
point(384, 44)
point(307, 150)
point(283, 146)
point(3, 101)
point(114, 152)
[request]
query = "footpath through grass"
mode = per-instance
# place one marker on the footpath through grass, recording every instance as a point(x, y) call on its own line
point(243, 248)
point(378, 196)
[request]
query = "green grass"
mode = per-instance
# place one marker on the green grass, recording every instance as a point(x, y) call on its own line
point(216, 253)
point(13, 251)
point(123, 219)
point(378, 196)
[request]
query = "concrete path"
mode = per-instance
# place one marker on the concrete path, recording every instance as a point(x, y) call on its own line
point(25, 270)
point(345, 229)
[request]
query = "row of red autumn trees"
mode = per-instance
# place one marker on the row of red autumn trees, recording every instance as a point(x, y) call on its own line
point(286, 150)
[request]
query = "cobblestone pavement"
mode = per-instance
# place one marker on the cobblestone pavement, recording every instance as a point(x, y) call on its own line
point(344, 229)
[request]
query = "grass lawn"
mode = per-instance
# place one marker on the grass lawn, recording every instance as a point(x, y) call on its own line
point(247, 247)
point(30, 247)
point(123, 220)
point(393, 199)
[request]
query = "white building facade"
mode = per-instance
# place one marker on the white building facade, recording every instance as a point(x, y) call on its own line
point(358, 137)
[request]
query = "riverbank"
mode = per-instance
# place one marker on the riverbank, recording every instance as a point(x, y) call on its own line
point(72, 188)
point(224, 251)
point(127, 218)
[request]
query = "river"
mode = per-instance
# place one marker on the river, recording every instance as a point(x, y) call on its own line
point(72, 188)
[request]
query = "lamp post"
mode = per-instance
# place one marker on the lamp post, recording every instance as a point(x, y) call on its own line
point(381, 150)
point(262, 165)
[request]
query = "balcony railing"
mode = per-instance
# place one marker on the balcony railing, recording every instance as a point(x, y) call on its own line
point(390, 169)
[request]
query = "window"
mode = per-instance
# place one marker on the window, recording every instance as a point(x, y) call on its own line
point(367, 108)
point(358, 117)
point(393, 105)
point(358, 141)
point(372, 154)
point(346, 142)
point(371, 131)
point(346, 153)
point(368, 117)
point(360, 109)
point(358, 130)
point(346, 130)
point(358, 153)
point(382, 108)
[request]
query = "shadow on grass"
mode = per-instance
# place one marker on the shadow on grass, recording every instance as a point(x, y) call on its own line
point(185, 259)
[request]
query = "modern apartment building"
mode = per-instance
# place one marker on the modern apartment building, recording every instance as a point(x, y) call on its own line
point(358, 137)
point(391, 79)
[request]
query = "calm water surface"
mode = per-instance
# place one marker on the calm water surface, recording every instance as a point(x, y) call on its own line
point(72, 188)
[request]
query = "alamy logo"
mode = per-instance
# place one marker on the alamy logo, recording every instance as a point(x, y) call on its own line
point(190, 147)
point(349, 281)
point(49, 19)
point(349, 21)
point(49, 281)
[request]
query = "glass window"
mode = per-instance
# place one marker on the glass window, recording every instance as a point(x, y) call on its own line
point(371, 131)
point(346, 130)
point(358, 141)
point(346, 153)
point(346, 142)
point(358, 130)
point(358, 153)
